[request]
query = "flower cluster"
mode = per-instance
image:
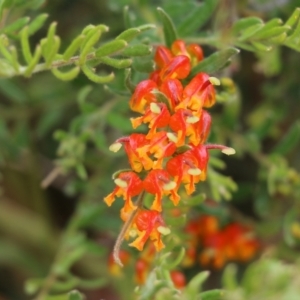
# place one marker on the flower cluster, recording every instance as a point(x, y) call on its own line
point(173, 152)
point(233, 242)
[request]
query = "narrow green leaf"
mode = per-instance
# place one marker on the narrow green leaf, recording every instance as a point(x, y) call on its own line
point(87, 45)
point(212, 295)
point(278, 40)
point(194, 286)
point(276, 22)
point(52, 51)
point(75, 295)
point(110, 48)
point(244, 23)
point(48, 42)
point(172, 265)
point(35, 59)
point(215, 62)
point(5, 52)
point(137, 50)
point(90, 74)
point(115, 62)
point(20, 23)
point(14, 54)
point(294, 18)
point(128, 34)
point(261, 47)
point(289, 141)
point(73, 47)
point(66, 76)
point(249, 32)
point(264, 33)
point(128, 82)
point(170, 33)
point(197, 17)
point(146, 27)
point(25, 45)
point(37, 23)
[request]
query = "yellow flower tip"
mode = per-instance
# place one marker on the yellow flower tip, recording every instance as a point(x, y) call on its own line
point(192, 119)
point(194, 171)
point(155, 108)
point(169, 186)
point(172, 137)
point(228, 151)
point(121, 183)
point(214, 81)
point(163, 230)
point(133, 232)
point(115, 147)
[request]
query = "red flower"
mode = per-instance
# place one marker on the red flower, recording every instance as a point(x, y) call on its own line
point(148, 224)
point(128, 185)
point(141, 271)
point(193, 51)
point(142, 95)
point(198, 93)
point(161, 147)
point(184, 168)
point(158, 183)
point(132, 144)
point(179, 67)
point(157, 115)
point(173, 90)
point(162, 56)
point(178, 279)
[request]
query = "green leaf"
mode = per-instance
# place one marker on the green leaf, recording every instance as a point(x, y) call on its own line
point(90, 74)
point(53, 50)
point(90, 40)
point(267, 33)
point(25, 45)
point(127, 17)
point(48, 46)
point(261, 46)
point(289, 141)
point(249, 32)
point(215, 62)
point(212, 295)
point(197, 17)
point(37, 23)
point(116, 62)
point(36, 57)
point(66, 76)
point(294, 18)
point(20, 23)
point(73, 47)
point(143, 64)
point(244, 23)
point(169, 30)
point(128, 34)
point(75, 295)
point(194, 286)
point(110, 48)
point(137, 50)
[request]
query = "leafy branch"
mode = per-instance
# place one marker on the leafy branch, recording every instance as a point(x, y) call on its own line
point(83, 53)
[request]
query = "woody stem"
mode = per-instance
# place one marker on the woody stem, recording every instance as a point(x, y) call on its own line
point(116, 250)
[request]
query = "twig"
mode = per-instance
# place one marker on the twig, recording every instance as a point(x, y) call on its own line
point(116, 250)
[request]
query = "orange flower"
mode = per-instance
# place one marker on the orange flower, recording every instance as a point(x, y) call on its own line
point(160, 146)
point(173, 90)
point(179, 67)
point(198, 93)
point(132, 144)
point(184, 168)
point(162, 56)
point(157, 115)
point(158, 183)
point(142, 95)
point(192, 51)
point(148, 224)
point(128, 185)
